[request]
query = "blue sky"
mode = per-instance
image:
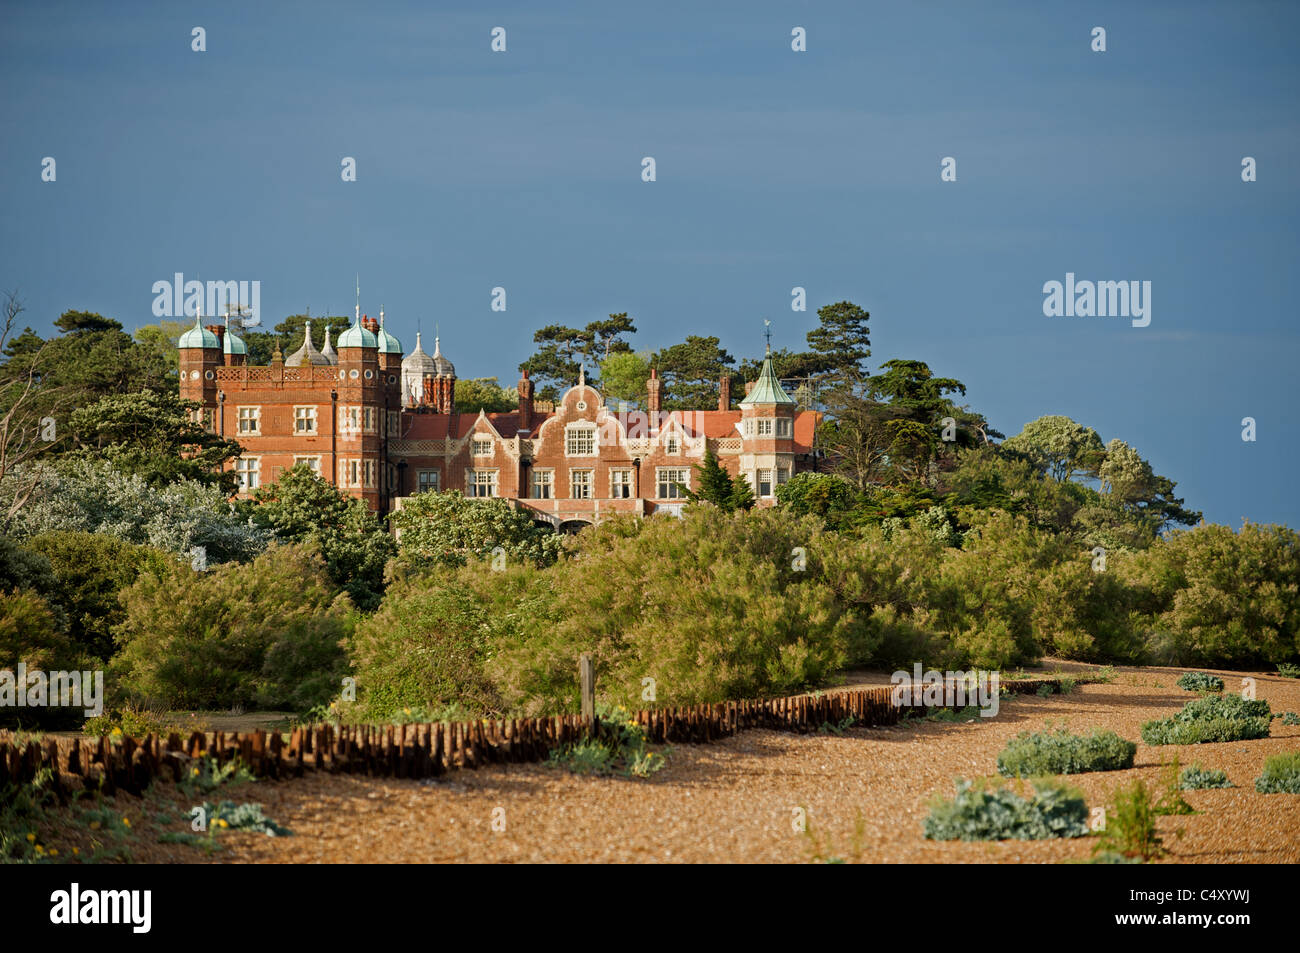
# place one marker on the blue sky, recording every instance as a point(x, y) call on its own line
point(775, 169)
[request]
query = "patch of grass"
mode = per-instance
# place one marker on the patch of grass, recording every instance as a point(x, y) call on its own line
point(1287, 670)
point(953, 714)
point(1289, 718)
point(1211, 718)
point(1172, 801)
point(619, 748)
point(138, 722)
point(1101, 676)
point(981, 812)
point(1131, 825)
point(1197, 778)
point(23, 815)
point(1281, 774)
point(838, 728)
point(1200, 682)
point(206, 775)
point(209, 844)
point(1044, 753)
point(821, 851)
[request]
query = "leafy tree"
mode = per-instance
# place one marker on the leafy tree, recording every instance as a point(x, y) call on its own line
point(164, 338)
point(691, 373)
point(623, 376)
point(842, 341)
point(1059, 447)
point(449, 529)
point(302, 507)
point(31, 631)
point(90, 569)
point(154, 435)
point(1130, 483)
point(717, 487)
point(564, 350)
point(484, 393)
point(92, 496)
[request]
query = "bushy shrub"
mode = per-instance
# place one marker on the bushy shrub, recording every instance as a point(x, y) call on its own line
point(1197, 778)
point(712, 606)
point(978, 813)
point(1281, 774)
point(449, 529)
point(619, 747)
point(90, 569)
point(1200, 682)
point(1221, 598)
point(31, 633)
point(1287, 670)
point(426, 645)
point(1211, 718)
point(265, 634)
point(1059, 752)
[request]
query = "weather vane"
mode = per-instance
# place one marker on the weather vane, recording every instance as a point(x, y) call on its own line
point(767, 333)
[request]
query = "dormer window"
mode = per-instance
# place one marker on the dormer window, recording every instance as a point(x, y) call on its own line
point(671, 444)
point(482, 446)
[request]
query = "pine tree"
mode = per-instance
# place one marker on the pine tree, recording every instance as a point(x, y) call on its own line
point(715, 484)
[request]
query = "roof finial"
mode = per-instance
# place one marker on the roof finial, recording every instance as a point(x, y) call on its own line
point(767, 333)
point(358, 297)
point(582, 374)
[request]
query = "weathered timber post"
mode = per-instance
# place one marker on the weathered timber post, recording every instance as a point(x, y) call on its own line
point(587, 676)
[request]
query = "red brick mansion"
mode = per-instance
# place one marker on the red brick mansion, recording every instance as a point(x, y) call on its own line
point(382, 425)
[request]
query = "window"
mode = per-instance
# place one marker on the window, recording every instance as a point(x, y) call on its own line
point(482, 446)
point(764, 428)
point(782, 475)
point(580, 442)
point(349, 420)
point(205, 418)
point(580, 484)
point(304, 420)
point(669, 478)
point(543, 484)
point(429, 481)
point(671, 444)
point(313, 463)
point(620, 484)
point(393, 425)
point(370, 472)
point(248, 468)
point(764, 482)
point(349, 472)
point(370, 419)
point(783, 426)
point(250, 420)
point(481, 482)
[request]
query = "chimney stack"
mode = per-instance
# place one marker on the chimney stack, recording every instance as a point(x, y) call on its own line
point(724, 392)
point(525, 387)
point(220, 331)
point(653, 386)
point(749, 385)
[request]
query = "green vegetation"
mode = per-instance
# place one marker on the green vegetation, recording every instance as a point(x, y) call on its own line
point(1287, 670)
point(241, 817)
point(1281, 774)
point(1131, 825)
point(1197, 778)
point(1289, 718)
point(1211, 718)
point(983, 813)
point(1200, 682)
point(1043, 753)
point(619, 747)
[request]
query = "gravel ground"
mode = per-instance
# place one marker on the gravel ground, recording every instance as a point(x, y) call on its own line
point(733, 801)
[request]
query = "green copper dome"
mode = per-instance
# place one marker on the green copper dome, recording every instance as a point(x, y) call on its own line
point(198, 336)
point(357, 336)
point(387, 343)
point(232, 344)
